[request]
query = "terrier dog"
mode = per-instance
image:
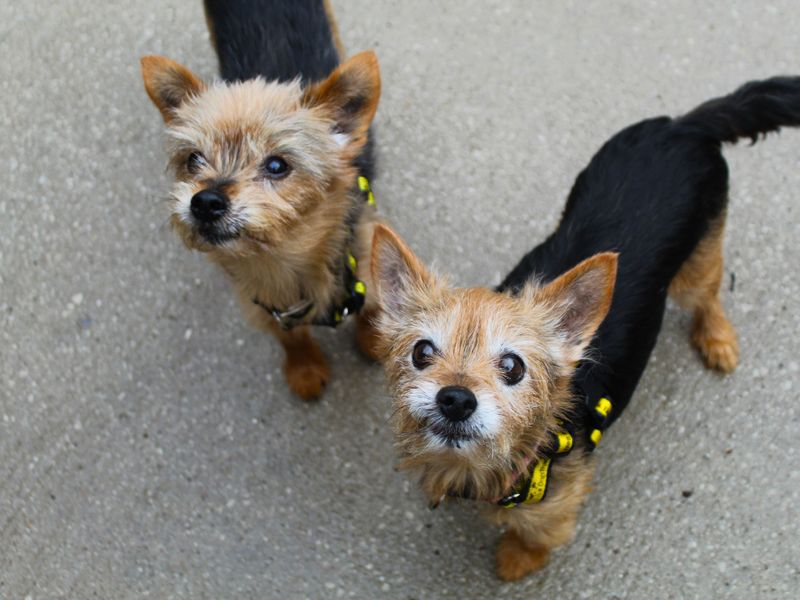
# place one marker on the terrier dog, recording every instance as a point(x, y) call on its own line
point(501, 395)
point(273, 167)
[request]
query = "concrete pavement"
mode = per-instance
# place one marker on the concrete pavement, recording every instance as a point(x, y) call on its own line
point(149, 447)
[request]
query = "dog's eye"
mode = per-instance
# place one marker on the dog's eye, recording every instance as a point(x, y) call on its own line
point(195, 162)
point(275, 167)
point(422, 355)
point(512, 368)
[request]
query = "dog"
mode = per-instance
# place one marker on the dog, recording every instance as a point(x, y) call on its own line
point(273, 167)
point(502, 395)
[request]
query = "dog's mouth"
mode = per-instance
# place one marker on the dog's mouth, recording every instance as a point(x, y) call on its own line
point(205, 232)
point(453, 435)
point(217, 235)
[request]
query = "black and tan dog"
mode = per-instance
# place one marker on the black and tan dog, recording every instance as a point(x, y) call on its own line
point(502, 395)
point(273, 167)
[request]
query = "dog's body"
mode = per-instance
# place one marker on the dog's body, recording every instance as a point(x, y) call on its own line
point(488, 384)
point(656, 193)
point(278, 41)
point(273, 166)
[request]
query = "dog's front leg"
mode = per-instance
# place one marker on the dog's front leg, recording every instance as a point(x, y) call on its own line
point(305, 367)
point(525, 547)
point(367, 336)
point(518, 557)
point(534, 530)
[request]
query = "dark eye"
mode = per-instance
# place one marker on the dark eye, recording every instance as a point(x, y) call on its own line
point(275, 167)
point(422, 355)
point(195, 162)
point(512, 368)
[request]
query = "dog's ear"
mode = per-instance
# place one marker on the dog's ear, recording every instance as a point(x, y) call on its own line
point(350, 96)
point(168, 84)
point(581, 298)
point(397, 274)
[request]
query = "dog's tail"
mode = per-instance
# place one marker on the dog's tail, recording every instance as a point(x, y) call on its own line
point(756, 108)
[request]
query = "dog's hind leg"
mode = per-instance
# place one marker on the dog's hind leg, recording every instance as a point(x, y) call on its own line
point(696, 288)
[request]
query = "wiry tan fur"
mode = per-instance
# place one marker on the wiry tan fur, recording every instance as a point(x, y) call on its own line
point(293, 231)
point(549, 327)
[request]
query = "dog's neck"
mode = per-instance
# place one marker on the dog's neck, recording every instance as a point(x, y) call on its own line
point(470, 475)
point(304, 266)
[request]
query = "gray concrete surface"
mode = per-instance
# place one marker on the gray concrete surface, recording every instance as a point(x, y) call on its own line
point(148, 445)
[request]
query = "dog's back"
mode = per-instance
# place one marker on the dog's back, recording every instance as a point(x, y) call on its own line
point(653, 192)
point(275, 39)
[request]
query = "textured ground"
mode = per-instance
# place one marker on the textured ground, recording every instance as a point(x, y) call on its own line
point(148, 445)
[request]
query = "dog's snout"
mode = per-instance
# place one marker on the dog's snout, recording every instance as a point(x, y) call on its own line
point(456, 403)
point(209, 205)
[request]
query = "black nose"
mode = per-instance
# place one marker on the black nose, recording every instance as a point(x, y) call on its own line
point(456, 403)
point(209, 205)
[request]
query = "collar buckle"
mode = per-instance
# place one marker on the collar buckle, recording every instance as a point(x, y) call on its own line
point(288, 318)
point(532, 489)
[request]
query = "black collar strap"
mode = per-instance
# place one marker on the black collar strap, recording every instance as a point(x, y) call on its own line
point(596, 406)
point(363, 185)
point(355, 289)
point(354, 301)
point(599, 412)
point(289, 317)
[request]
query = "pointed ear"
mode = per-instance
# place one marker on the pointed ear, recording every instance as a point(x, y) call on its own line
point(582, 297)
point(397, 273)
point(350, 94)
point(168, 84)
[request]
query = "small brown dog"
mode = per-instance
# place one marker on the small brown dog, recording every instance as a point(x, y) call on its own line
point(272, 170)
point(447, 347)
point(502, 395)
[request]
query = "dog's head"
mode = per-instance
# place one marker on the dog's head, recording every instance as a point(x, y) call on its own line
point(252, 159)
point(476, 374)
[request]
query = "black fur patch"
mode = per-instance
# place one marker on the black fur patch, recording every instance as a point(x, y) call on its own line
point(277, 39)
point(650, 194)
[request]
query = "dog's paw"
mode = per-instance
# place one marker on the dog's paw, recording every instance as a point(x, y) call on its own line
point(515, 560)
point(307, 378)
point(719, 348)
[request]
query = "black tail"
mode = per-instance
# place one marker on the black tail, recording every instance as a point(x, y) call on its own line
point(756, 108)
point(276, 39)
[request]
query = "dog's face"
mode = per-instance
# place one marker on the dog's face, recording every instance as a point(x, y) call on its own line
point(474, 373)
point(253, 159)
